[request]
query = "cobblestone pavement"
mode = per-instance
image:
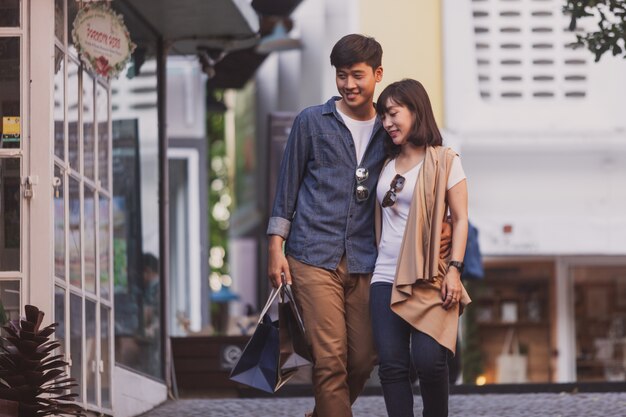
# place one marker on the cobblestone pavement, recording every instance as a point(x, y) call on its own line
point(475, 405)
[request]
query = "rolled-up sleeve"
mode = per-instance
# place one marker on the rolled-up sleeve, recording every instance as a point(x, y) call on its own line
point(279, 226)
point(292, 170)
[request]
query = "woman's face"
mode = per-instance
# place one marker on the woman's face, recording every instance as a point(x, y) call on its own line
point(398, 122)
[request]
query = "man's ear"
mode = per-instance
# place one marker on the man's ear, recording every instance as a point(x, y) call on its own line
point(378, 74)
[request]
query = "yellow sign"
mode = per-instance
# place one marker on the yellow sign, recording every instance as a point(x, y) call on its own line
point(10, 127)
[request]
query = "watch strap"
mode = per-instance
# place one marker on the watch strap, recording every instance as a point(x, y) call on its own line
point(458, 265)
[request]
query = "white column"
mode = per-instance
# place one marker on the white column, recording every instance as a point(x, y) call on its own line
point(38, 242)
point(565, 320)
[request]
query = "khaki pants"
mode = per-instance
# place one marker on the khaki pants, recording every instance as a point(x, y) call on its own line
point(335, 310)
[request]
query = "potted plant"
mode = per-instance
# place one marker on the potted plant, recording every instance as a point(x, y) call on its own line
point(33, 381)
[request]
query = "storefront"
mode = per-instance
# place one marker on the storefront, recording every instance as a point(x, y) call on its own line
point(543, 146)
point(84, 185)
point(549, 320)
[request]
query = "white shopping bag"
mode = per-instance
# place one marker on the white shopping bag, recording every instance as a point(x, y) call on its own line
point(511, 365)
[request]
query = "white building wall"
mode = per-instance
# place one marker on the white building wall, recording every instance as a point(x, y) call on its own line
point(134, 394)
point(186, 96)
point(293, 80)
point(540, 129)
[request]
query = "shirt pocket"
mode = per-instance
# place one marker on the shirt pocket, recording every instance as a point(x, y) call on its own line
point(328, 149)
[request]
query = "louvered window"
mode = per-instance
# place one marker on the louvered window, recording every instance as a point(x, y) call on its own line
point(524, 52)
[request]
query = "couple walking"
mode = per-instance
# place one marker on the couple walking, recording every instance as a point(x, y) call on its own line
point(361, 206)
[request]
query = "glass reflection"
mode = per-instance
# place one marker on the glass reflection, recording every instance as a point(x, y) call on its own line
point(76, 342)
point(105, 376)
point(10, 198)
point(102, 119)
point(59, 222)
point(72, 10)
point(9, 13)
point(10, 123)
point(89, 144)
point(59, 19)
point(135, 208)
point(91, 350)
point(72, 114)
point(9, 301)
point(59, 317)
point(59, 104)
point(105, 247)
point(90, 240)
point(74, 233)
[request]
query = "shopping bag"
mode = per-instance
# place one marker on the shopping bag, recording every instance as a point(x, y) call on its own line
point(511, 364)
point(473, 258)
point(257, 366)
point(294, 348)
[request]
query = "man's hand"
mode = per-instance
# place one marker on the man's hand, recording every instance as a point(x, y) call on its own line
point(445, 243)
point(277, 264)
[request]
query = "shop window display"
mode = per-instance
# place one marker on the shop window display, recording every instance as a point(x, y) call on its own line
point(600, 317)
point(138, 338)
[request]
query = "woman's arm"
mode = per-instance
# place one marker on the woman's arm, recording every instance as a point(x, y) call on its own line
point(457, 200)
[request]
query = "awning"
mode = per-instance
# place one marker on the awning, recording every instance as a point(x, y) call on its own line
point(186, 25)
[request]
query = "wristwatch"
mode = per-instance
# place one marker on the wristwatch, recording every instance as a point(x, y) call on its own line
point(458, 265)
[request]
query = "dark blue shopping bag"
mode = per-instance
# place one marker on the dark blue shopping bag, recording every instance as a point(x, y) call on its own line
point(473, 258)
point(258, 365)
point(261, 364)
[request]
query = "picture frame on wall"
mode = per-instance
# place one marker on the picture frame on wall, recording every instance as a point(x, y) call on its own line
point(509, 312)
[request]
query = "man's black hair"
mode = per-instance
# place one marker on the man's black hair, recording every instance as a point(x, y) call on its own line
point(354, 48)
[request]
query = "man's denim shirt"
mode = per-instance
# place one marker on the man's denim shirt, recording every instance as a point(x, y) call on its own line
point(315, 208)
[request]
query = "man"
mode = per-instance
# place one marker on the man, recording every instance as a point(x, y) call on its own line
point(324, 210)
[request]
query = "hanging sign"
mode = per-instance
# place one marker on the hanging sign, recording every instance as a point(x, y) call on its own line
point(102, 40)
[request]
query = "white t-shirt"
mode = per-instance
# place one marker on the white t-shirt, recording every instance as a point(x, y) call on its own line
point(361, 131)
point(394, 218)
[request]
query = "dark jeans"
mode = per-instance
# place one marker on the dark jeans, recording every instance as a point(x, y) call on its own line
point(399, 347)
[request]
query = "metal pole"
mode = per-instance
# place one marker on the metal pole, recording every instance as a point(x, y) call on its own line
point(161, 58)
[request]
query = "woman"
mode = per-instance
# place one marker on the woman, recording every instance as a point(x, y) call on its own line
point(416, 294)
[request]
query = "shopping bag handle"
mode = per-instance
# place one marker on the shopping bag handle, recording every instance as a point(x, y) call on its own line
point(270, 301)
point(511, 343)
point(286, 291)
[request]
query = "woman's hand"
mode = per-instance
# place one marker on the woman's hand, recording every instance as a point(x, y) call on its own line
point(451, 288)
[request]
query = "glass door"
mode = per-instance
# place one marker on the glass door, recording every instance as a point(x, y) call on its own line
point(12, 168)
point(82, 214)
point(600, 322)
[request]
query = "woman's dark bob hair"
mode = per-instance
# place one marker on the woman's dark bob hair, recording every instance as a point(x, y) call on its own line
point(412, 95)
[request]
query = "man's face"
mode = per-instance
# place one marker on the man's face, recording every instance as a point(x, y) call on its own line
point(356, 84)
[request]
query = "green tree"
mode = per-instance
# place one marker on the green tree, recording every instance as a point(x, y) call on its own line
point(611, 33)
point(219, 202)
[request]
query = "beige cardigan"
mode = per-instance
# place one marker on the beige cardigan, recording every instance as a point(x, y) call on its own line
point(420, 270)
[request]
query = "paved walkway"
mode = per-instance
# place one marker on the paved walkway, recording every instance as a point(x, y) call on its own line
point(487, 405)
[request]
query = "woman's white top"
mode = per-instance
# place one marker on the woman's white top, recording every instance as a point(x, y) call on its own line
point(394, 218)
